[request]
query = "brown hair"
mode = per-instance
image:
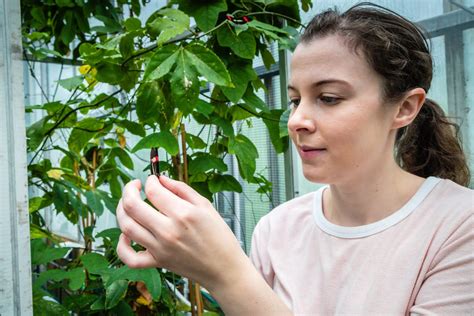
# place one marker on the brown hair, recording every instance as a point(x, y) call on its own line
point(398, 51)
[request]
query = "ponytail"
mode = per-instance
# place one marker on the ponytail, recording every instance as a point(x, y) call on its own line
point(431, 146)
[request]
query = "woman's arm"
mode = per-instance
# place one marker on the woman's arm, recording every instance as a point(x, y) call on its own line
point(448, 288)
point(189, 237)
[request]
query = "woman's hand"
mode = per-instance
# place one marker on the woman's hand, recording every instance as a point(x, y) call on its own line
point(187, 235)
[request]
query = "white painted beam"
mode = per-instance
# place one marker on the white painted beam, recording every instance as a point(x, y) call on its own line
point(15, 266)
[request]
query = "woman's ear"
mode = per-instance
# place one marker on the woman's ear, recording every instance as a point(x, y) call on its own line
point(409, 107)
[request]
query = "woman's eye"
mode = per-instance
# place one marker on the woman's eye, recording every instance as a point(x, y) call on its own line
point(293, 103)
point(329, 99)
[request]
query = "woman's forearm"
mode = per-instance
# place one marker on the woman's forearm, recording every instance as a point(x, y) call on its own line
point(247, 293)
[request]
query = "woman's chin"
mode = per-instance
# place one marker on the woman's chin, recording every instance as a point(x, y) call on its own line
point(315, 176)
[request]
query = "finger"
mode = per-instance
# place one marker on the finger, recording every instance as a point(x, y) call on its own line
point(163, 199)
point(136, 183)
point(133, 259)
point(141, 212)
point(132, 229)
point(183, 190)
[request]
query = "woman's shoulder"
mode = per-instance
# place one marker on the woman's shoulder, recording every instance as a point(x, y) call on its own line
point(449, 202)
point(450, 192)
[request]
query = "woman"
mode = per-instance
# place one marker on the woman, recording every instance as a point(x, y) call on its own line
point(392, 233)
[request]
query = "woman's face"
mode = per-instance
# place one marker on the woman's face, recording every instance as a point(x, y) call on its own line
point(338, 122)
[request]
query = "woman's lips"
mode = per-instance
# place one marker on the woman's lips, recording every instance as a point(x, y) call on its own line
point(310, 152)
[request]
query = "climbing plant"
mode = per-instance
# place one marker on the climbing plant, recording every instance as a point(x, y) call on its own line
point(189, 62)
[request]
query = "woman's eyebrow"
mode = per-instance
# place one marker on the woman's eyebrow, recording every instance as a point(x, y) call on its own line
point(324, 82)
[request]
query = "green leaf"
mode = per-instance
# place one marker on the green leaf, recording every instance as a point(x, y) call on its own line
point(36, 203)
point(111, 43)
point(149, 276)
point(246, 153)
point(205, 162)
point(132, 24)
point(109, 201)
point(267, 29)
point(136, 7)
point(161, 62)
point(64, 3)
point(226, 125)
point(132, 127)
point(204, 107)
point(79, 301)
point(111, 234)
point(94, 263)
point(37, 232)
point(195, 142)
point(37, 131)
point(151, 103)
point(205, 13)
point(76, 278)
point(46, 306)
point(123, 309)
point(162, 139)
point(43, 254)
point(267, 58)
point(126, 46)
point(83, 132)
point(38, 14)
point(65, 201)
point(184, 84)
point(240, 112)
point(252, 100)
point(99, 304)
point(288, 8)
point(123, 156)
point(226, 182)
point(272, 121)
point(243, 45)
point(241, 74)
point(110, 24)
point(306, 5)
point(289, 42)
point(82, 21)
point(71, 83)
point(49, 275)
point(68, 32)
point(115, 292)
point(109, 73)
point(284, 123)
point(169, 24)
point(208, 64)
point(94, 201)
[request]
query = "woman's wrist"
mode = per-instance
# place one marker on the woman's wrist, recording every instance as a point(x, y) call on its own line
point(243, 291)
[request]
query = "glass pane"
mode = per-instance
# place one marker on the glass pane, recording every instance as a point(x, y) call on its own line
point(438, 91)
point(412, 10)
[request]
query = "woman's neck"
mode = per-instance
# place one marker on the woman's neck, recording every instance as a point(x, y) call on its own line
point(370, 199)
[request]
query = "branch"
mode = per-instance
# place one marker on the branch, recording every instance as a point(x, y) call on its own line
point(154, 46)
point(59, 122)
point(34, 76)
point(178, 38)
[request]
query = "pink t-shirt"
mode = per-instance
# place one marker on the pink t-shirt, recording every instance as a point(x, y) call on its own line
point(418, 260)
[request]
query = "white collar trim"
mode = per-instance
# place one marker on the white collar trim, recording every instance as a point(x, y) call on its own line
point(376, 227)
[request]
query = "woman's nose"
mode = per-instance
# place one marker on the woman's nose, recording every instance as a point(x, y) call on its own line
point(301, 120)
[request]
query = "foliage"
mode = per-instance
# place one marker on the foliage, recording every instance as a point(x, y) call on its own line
point(158, 71)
